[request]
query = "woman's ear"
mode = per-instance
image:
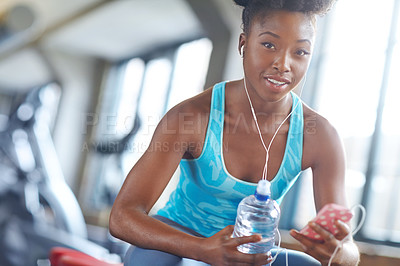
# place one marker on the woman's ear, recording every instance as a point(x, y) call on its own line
point(242, 41)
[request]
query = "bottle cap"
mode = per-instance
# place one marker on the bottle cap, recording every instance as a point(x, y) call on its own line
point(264, 187)
point(263, 191)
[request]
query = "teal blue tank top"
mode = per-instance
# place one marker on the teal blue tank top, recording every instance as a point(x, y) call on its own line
point(207, 196)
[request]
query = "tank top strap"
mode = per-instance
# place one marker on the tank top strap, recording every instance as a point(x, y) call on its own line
point(217, 108)
point(296, 121)
point(216, 121)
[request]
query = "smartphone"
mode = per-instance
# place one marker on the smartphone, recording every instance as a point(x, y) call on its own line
point(325, 218)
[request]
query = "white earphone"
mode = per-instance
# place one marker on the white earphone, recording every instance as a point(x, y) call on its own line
point(241, 50)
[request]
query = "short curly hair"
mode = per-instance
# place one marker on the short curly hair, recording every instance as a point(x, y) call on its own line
point(254, 8)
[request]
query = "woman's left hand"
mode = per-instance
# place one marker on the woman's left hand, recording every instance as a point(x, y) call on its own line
point(323, 250)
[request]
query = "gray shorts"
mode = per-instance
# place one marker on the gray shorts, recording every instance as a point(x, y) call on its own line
point(136, 256)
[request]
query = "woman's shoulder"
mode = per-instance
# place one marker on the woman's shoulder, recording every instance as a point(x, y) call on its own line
point(189, 116)
point(197, 104)
point(321, 139)
point(316, 124)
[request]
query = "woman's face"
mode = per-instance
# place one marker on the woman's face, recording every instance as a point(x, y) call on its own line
point(277, 52)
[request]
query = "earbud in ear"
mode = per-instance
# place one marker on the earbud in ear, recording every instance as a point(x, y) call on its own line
point(241, 50)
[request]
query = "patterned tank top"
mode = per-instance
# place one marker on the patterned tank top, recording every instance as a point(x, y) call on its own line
point(207, 196)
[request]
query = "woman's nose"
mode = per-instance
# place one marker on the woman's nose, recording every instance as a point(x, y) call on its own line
point(282, 63)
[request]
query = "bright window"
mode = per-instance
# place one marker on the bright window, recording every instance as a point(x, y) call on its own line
point(137, 94)
point(357, 72)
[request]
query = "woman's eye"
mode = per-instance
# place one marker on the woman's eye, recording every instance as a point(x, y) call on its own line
point(269, 45)
point(302, 52)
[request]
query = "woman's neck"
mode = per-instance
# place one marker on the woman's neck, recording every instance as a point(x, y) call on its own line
point(269, 114)
point(260, 105)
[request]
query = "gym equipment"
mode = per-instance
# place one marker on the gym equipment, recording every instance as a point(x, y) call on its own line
point(38, 210)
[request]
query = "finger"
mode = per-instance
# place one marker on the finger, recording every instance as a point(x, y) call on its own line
point(251, 259)
point(228, 230)
point(309, 246)
point(263, 259)
point(305, 241)
point(342, 226)
point(246, 239)
point(343, 229)
point(226, 233)
point(325, 234)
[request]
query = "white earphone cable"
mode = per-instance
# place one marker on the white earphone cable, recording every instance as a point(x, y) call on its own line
point(265, 171)
point(363, 216)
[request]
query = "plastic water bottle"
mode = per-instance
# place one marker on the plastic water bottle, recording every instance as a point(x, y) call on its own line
point(258, 214)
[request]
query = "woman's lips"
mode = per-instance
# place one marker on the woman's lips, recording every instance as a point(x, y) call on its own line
point(277, 84)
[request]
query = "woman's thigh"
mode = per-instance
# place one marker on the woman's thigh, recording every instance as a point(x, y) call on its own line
point(140, 256)
point(293, 257)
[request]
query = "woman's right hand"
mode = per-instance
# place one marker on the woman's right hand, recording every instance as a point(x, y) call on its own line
point(221, 250)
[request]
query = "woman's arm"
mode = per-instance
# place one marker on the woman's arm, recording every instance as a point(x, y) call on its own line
point(324, 153)
point(144, 184)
